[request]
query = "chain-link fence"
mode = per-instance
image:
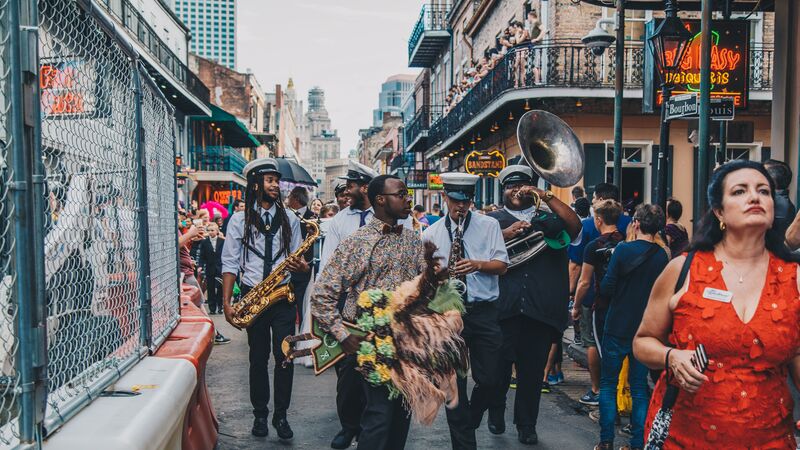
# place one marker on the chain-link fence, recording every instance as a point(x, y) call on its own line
point(87, 193)
point(9, 344)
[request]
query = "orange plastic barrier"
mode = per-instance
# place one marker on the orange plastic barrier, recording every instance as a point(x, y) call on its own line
point(193, 341)
point(191, 312)
point(193, 292)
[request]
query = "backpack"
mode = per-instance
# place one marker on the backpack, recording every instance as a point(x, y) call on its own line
point(606, 248)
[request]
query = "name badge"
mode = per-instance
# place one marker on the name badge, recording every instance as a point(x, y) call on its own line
point(717, 295)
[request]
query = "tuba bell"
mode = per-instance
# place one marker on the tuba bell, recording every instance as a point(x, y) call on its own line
point(552, 150)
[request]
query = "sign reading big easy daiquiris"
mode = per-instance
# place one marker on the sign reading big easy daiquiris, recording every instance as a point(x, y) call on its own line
point(730, 63)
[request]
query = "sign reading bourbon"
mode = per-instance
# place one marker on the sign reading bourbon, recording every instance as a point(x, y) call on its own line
point(730, 63)
point(487, 163)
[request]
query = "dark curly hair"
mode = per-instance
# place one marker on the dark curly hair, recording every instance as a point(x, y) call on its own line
point(708, 233)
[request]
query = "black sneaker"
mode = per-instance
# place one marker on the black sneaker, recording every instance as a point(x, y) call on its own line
point(527, 435)
point(221, 340)
point(496, 422)
point(545, 387)
point(343, 439)
point(260, 427)
point(590, 398)
point(513, 383)
point(282, 427)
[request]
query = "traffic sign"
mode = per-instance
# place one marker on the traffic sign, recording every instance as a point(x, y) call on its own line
point(682, 106)
point(687, 106)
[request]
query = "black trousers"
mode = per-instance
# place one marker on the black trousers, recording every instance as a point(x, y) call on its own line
point(214, 293)
point(350, 395)
point(270, 328)
point(483, 337)
point(385, 423)
point(527, 342)
point(299, 288)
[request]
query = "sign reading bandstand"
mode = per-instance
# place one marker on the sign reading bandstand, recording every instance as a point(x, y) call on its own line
point(730, 63)
point(486, 163)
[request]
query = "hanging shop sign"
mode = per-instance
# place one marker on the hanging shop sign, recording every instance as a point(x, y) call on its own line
point(485, 163)
point(435, 181)
point(69, 88)
point(417, 179)
point(226, 197)
point(730, 64)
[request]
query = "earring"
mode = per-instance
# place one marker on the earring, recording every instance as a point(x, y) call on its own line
point(722, 226)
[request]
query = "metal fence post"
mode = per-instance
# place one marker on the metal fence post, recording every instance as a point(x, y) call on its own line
point(28, 220)
point(145, 299)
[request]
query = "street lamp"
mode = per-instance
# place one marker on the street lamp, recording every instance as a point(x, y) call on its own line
point(668, 44)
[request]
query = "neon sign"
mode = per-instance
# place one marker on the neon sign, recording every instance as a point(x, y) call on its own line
point(66, 88)
point(730, 62)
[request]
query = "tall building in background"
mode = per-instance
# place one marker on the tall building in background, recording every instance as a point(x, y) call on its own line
point(393, 91)
point(213, 25)
point(320, 142)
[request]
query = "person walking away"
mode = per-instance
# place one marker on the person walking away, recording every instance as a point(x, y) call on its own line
point(632, 271)
point(676, 235)
point(533, 295)
point(380, 255)
point(596, 257)
point(260, 238)
point(211, 262)
point(482, 259)
point(738, 301)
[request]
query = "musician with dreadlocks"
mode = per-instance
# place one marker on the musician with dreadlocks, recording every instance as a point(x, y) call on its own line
point(260, 238)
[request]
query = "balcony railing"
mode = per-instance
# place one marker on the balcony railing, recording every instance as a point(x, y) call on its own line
point(568, 65)
point(217, 159)
point(421, 123)
point(431, 18)
point(147, 37)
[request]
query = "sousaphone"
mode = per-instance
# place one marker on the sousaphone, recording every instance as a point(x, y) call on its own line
point(552, 150)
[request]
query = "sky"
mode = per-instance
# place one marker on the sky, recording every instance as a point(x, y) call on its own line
point(346, 47)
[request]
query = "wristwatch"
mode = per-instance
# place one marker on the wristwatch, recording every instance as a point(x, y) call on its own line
point(548, 195)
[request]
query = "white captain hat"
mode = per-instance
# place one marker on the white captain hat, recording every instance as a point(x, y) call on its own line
point(459, 186)
point(359, 172)
point(516, 173)
point(261, 166)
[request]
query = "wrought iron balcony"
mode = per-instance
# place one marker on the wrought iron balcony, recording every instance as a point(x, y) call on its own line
point(217, 159)
point(133, 21)
point(429, 36)
point(417, 128)
point(565, 64)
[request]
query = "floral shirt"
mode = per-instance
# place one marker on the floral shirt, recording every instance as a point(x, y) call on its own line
point(367, 259)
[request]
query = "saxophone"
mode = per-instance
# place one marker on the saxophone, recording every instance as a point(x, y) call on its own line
point(272, 289)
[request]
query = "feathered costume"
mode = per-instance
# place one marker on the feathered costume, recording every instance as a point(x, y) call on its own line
point(426, 329)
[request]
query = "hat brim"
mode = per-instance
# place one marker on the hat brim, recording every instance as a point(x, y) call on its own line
point(459, 196)
point(560, 241)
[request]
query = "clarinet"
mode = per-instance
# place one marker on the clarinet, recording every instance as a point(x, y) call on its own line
point(455, 251)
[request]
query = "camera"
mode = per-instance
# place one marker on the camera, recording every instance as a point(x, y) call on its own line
point(598, 40)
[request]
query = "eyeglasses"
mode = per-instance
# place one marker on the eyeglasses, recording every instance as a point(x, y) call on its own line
point(400, 194)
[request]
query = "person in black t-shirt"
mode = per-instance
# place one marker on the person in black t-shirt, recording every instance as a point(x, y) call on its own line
point(595, 263)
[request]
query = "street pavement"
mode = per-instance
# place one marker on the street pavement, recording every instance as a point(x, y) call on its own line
point(563, 423)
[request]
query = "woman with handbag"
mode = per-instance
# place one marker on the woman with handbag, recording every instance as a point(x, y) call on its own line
point(740, 301)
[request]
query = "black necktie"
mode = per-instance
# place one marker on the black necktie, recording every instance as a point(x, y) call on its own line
point(363, 220)
point(267, 246)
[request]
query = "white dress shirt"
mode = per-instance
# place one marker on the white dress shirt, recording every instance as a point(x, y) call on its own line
point(343, 224)
point(233, 252)
point(483, 241)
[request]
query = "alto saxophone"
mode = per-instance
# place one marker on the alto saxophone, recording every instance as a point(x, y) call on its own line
point(274, 288)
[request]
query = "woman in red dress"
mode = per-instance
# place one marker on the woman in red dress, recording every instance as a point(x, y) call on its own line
point(740, 300)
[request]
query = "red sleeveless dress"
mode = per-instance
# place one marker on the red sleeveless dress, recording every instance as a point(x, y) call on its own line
point(746, 402)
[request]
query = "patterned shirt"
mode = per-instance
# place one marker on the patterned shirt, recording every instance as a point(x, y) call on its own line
point(367, 259)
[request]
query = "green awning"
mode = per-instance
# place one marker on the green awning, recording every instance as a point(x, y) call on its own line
point(234, 132)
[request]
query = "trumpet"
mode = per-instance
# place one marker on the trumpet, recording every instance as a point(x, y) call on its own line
point(523, 192)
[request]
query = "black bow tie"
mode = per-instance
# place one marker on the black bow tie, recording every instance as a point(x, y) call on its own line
point(396, 229)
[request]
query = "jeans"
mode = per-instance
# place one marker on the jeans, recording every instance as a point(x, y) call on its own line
point(614, 352)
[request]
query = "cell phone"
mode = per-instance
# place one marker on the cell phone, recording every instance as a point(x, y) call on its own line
point(197, 222)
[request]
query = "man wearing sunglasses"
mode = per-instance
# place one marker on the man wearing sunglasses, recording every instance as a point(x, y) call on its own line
point(380, 255)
